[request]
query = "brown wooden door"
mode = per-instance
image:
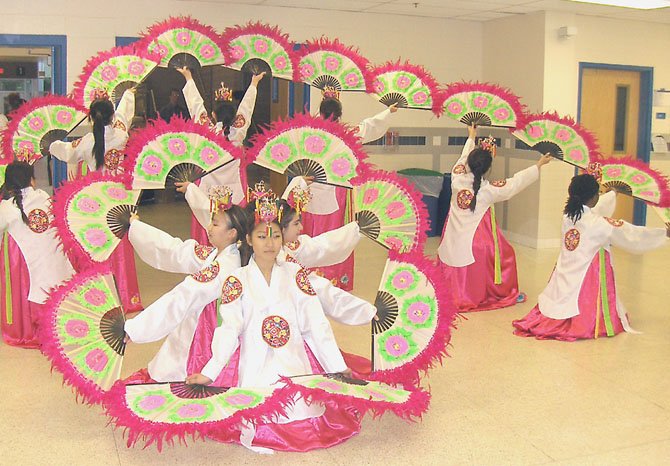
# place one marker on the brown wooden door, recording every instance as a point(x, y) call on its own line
point(610, 106)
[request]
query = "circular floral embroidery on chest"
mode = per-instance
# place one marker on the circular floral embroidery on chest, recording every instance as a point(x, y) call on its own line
point(615, 222)
point(498, 183)
point(240, 121)
point(464, 198)
point(202, 252)
point(38, 221)
point(231, 290)
point(293, 245)
point(276, 331)
point(571, 239)
point(207, 274)
point(459, 169)
point(302, 280)
point(113, 159)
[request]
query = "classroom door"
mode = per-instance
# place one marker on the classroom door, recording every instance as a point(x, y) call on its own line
point(610, 108)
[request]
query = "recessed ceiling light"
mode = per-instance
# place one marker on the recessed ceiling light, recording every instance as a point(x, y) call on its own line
point(637, 4)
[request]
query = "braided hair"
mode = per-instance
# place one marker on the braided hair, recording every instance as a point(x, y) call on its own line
point(18, 176)
point(582, 189)
point(479, 162)
point(101, 113)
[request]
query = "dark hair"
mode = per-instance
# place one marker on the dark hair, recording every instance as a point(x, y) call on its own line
point(225, 113)
point(287, 214)
point(331, 109)
point(479, 161)
point(14, 101)
point(582, 189)
point(238, 219)
point(17, 177)
point(101, 114)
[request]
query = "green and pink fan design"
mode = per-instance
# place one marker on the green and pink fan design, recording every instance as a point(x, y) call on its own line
point(164, 153)
point(183, 41)
point(482, 104)
point(38, 123)
point(92, 215)
point(663, 213)
point(259, 47)
point(407, 85)
point(158, 413)
point(390, 211)
point(82, 331)
point(635, 178)
point(325, 63)
point(310, 146)
point(113, 71)
point(415, 315)
point(561, 137)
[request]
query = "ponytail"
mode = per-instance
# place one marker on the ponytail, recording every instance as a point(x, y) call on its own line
point(582, 189)
point(101, 114)
point(238, 219)
point(18, 176)
point(479, 162)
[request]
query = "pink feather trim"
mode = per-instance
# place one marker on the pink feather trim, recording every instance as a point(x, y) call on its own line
point(51, 347)
point(261, 29)
point(436, 349)
point(417, 70)
point(661, 180)
point(30, 106)
point(325, 44)
point(150, 432)
point(501, 92)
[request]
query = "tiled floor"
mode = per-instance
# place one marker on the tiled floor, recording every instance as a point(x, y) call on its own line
point(499, 399)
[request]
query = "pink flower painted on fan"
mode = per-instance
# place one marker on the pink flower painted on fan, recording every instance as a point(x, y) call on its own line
point(136, 68)
point(191, 411)
point(96, 360)
point(613, 172)
point(36, 123)
point(418, 313)
point(63, 117)
point(378, 86)
point(396, 346)
point(280, 62)
point(501, 113)
point(260, 46)
point(117, 193)
point(95, 297)
point(370, 195)
point(239, 399)
point(395, 209)
point(649, 194)
point(151, 402)
point(332, 63)
point(374, 394)
point(177, 146)
point(237, 52)
point(315, 144)
point(639, 178)
point(420, 97)
point(403, 82)
point(96, 237)
point(403, 280)
point(394, 243)
point(88, 205)
point(183, 38)
point(161, 50)
point(480, 101)
point(341, 167)
point(109, 73)
point(306, 70)
point(327, 385)
point(577, 155)
point(280, 152)
point(209, 156)
point(207, 51)
point(352, 79)
point(26, 145)
point(455, 108)
point(535, 131)
point(76, 328)
point(563, 135)
point(152, 165)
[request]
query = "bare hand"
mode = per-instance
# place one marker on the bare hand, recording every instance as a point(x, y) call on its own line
point(545, 159)
point(182, 186)
point(198, 379)
point(393, 107)
point(186, 73)
point(126, 339)
point(132, 90)
point(347, 372)
point(256, 78)
point(72, 171)
point(134, 216)
point(472, 131)
point(308, 179)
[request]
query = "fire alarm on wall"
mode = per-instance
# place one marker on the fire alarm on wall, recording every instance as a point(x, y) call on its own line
point(565, 32)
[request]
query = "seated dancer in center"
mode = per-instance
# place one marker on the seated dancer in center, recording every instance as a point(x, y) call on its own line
point(270, 310)
point(478, 262)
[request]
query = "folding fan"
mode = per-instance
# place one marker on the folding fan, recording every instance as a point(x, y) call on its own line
point(82, 332)
point(114, 71)
point(390, 211)
point(407, 85)
point(325, 63)
point(415, 316)
point(364, 395)
point(183, 41)
point(160, 412)
point(310, 146)
point(259, 47)
point(38, 123)
point(482, 104)
point(164, 153)
point(635, 178)
point(664, 213)
point(561, 137)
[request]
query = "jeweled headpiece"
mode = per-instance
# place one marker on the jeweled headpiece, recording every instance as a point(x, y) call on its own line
point(489, 144)
point(99, 94)
point(595, 170)
point(266, 206)
point(26, 155)
point(330, 92)
point(223, 93)
point(220, 198)
point(298, 199)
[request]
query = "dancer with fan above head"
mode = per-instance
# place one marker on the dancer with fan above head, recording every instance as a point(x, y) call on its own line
point(580, 300)
point(233, 124)
point(103, 150)
point(478, 262)
point(175, 315)
point(25, 216)
point(271, 312)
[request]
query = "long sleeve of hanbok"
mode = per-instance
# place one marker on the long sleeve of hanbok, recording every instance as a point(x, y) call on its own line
point(164, 252)
point(374, 127)
point(637, 239)
point(125, 111)
point(226, 338)
point(198, 201)
point(463, 159)
point(72, 152)
point(327, 248)
point(511, 186)
point(245, 111)
point(606, 204)
point(194, 102)
point(340, 305)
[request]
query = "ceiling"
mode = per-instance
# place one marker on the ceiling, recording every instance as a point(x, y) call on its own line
point(468, 10)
